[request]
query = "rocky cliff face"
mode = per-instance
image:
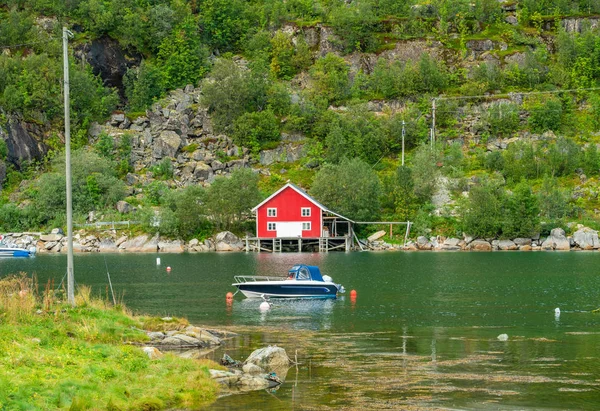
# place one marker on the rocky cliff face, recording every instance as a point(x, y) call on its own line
point(180, 129)
point(24, 141)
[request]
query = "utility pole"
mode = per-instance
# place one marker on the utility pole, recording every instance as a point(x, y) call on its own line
point(403, 123)
point(432, 123)
point(70, 275)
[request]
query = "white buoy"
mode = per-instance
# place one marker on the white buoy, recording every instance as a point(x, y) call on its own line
point(557, 311)
point(157, 260)
point(265, 306)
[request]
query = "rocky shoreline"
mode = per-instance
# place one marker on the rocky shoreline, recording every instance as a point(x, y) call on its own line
point(264, 368)
point(584, 238)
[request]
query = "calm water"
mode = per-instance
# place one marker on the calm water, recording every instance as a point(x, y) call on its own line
point(421, 334)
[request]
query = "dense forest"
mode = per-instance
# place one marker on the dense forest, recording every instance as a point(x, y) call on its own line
point(514, 151)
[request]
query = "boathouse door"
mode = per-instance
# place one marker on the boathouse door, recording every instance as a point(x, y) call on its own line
point(293, 229)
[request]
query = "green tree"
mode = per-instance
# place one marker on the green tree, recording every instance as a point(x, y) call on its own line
point(94, 183)
point(231, 91)
point(224, 23)
point(554, 201)
point(544, 114)
point(253, 129)
point(143, 85)
point(425, 172)
point(189, 212)
point(350, 188)
point(399, 195)
point(522, 213)
point(183, 59)
point(482, 213)
point(330, 75)
point(229, 200)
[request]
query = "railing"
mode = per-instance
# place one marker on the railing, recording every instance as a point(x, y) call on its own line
point(252, 278)
point(99, 224)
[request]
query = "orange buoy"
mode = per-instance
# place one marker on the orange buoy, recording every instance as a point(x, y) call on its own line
point(353, 294)
point(168, 269)
point(229, 296)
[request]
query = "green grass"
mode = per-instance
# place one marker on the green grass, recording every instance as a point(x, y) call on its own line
point(82, 357)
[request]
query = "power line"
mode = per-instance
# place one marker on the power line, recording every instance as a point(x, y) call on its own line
point(16, 46)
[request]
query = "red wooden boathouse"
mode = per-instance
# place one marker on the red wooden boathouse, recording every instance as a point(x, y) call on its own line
point(291, 217)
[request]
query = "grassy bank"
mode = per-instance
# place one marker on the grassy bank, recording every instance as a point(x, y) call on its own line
point(54, 357)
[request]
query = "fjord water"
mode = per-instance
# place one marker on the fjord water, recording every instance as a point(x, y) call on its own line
point(422, 333)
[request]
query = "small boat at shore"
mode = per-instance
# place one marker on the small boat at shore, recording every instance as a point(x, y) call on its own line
point(16, 252)
point(303, 281)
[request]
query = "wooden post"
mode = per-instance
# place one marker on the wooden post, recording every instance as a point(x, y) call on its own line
point(299, 244)
point(258, 245)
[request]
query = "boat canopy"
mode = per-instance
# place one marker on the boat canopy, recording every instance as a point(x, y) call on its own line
point(305, 272)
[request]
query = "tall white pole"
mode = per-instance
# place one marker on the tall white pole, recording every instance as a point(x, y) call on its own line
point(432, 123)
point(403, 123)
point(70, 275)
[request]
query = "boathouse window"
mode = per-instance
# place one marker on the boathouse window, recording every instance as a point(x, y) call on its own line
point(271, 212)
point(305, 211)
point(271, 226)
point(306, 226)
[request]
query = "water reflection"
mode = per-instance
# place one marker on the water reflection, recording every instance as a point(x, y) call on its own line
point(312, 314)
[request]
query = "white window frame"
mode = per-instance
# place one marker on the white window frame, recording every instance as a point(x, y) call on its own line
point(271, 212)
point(271, 226)
point(303, 209)
point(306, 226)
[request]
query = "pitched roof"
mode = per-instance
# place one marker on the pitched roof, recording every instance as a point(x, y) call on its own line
point(305, 195)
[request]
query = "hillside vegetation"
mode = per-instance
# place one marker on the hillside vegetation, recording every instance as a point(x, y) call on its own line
point(517, 109)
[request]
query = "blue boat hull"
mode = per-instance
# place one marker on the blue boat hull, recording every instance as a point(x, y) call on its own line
point(291, 289)
point(14, 252)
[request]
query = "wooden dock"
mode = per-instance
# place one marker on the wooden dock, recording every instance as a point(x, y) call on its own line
point(298, 244)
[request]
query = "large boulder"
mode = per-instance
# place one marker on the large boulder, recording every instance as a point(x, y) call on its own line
point(480, 245)
point(586, 238)
point(423, 243)
point(167, 144)
point(140, 244)
point(227, 241)
point(203, 172)
point(21, 142)
point(107, 245)
point(270, 358)
point(175, 246)
point(507, 245)
point(557, 240)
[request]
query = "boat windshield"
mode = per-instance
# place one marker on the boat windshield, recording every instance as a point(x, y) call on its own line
point(303, 274)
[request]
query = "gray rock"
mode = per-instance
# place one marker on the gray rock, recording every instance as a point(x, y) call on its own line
point(507, 245)
point(522, 241)
point(252, 369)
point(152, 352)
point(57, 230)
point(203, 171)
point(480, 245)
point(556, 241)
point(51, 237)
point(175, 246)
point(586, 239)
point(167, 144)
point(451, 241)
point(136, 244)
point(107, 245)
point(117, 119)
point(227, 241)
point(181, 340)
point(270, 358)
point(124, 207)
